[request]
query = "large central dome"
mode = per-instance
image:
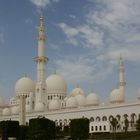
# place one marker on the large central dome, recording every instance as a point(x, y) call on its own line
point(56, 84)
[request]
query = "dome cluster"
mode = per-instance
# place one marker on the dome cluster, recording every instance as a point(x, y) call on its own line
point(56, 96)
point(78, 99)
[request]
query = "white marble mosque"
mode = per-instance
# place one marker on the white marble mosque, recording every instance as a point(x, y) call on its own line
point(47, 97)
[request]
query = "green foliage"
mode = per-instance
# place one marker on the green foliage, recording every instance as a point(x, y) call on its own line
point(79, 128)
point(10, 128)
point(41, 129)
point(114, 123)
point(23, 132)
point(126, 123)
point(134, 135)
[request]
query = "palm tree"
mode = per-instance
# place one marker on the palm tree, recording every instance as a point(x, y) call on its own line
point(114, 123)
point(126, 122)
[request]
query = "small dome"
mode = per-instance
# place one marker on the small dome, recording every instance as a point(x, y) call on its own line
point(28, 108)
point(92, 99)
point(116, 96)
point(15, 110)
point(77, 91)
point(71, 102)
point(139, 94)
point(24, 86)
point(56, 84)
point(39, 107)
point(6, 112)
point(81, 100)
point(2, 103)
point(54, 105)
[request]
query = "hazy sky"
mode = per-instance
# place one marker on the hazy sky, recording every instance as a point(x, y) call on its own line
point(84, 40)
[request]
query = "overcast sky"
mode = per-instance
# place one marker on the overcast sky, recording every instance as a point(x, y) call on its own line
point(84, 41)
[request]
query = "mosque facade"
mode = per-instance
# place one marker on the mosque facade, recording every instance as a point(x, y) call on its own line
point(48, 98)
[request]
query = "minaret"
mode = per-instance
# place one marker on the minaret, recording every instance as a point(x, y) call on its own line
point(121, 82)
point(41, 61)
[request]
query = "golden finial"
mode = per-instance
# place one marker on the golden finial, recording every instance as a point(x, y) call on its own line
point(41, 29)
point(41, 23)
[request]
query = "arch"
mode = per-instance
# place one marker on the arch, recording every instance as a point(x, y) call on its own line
point(125, 116)
point(118, 117)
point(69, 121)
point(133, 116)
point(110, 118)
point(133, 119)
point(60, 122)
point(91, 119)
point(98, 119)
point(65, 122)
point(104, 118)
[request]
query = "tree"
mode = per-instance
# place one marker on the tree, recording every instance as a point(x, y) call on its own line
point(41, 129)
point(79, 128)
point(126, 124)
point(23, 132)
point(114, 123)
point(9, 128)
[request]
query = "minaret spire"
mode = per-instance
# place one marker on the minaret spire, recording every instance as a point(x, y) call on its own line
point(121, 81)
point(41, 61)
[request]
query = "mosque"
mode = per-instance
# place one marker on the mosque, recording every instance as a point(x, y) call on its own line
point(48, 98)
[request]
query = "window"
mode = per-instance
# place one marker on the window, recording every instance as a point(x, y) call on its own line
point(104, 128)
point(98, 119)
point(91, 119)
point(100, 128)
point(96, 128)
point(92, 128)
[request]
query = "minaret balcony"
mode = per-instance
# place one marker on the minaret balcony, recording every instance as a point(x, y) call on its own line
point(121, 83)
point(39, 59)
point(42, 37)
